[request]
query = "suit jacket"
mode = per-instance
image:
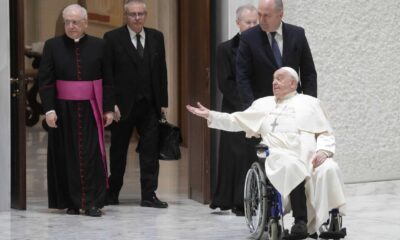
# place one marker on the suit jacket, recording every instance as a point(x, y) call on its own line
point(255, 62)
point(123, 67)
point(226, 74)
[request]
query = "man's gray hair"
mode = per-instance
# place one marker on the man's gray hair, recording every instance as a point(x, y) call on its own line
point(75, 7)
point(278, 5)
point(291, 72)
point(135, 1)
point(241, 9)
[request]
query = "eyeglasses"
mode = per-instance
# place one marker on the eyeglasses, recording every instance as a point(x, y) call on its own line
point(138, 15)
point(73, 22)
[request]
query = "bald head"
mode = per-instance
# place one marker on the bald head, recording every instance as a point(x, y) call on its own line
point(270, 13)
point(276, 4)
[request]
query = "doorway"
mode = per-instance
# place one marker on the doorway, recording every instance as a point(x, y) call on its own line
point(17, 88)
point(40, 24)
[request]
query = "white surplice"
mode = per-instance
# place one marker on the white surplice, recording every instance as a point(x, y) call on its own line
point(293, 129)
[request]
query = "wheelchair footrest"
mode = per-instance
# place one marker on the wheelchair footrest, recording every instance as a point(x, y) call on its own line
point(333, 235)
point(287, 236)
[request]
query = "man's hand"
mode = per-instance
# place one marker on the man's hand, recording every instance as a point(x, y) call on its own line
point(51, 119)
point(319, 158)
point(164, 114)
point(164, 110)
point(200, 111)
point(108, 117)
point(117, 113)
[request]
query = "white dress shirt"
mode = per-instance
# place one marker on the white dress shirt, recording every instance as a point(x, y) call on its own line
point(133, 37)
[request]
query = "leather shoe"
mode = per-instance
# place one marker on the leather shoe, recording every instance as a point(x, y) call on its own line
point(299, 229)
point(93, 212)
point(153, 202)
point(73, 211)
point(313, 236)
point(239, 211)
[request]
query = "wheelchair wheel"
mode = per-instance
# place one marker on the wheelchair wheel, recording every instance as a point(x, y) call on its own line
point(255, 201)
point(274, 230)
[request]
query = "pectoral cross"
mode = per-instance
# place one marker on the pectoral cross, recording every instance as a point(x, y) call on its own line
point(274, 125)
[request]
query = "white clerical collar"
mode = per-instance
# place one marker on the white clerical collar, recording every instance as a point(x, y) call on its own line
point(78, 39)
point(286, 97)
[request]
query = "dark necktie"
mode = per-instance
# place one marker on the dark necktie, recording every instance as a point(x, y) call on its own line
point(275, 50)
point(139, 45)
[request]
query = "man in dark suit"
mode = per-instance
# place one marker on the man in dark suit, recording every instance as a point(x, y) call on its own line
point(236, 153)
point(269, 46)
point(136, 63)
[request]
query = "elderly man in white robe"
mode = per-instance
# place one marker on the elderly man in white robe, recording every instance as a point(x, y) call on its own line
point(301, 144)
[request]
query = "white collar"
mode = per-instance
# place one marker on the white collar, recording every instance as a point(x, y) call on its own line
point(278, 30)
point(133, 34)
point(286, 97)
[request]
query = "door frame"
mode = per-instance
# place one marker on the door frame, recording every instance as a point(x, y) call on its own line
point(18, 98)
point(195, 77)
point(197, 136)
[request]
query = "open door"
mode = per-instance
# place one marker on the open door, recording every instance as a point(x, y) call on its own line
point(18, 86)
point(194, 62)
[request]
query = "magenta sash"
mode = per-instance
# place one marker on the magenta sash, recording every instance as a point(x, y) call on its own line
point(87, 90)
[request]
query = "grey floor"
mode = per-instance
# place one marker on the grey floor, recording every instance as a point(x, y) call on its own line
point(373, 209)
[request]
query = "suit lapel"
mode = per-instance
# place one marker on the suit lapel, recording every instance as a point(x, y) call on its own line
point(266, 46)
point(286, 43)
point(126, 42)
point(150, 46)
point(235, 44)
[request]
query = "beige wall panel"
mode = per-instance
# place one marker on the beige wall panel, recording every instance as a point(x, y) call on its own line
point(42, 15)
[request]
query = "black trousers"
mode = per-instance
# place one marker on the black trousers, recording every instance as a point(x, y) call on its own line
point(298, 201)
point(144, 118)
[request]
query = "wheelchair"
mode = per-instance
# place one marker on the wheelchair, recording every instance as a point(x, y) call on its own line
point(263, 207)
point(262, 202)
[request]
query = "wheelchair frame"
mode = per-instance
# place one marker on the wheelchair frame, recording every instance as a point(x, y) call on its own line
point(262, 202)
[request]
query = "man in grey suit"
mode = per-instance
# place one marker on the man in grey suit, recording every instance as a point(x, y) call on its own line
point(268, 46)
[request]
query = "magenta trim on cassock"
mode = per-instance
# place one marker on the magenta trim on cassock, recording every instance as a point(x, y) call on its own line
point(87, 90)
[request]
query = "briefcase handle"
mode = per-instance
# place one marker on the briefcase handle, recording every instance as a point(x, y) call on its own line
point(163, 118)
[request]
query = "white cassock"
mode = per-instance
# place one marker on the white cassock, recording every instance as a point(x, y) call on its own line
point(293, 129)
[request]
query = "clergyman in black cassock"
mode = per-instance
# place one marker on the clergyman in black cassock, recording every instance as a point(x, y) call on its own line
point(71, 69)
point(236, 153)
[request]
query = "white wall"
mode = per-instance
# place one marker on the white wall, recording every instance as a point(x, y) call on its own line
point(357, 55)
point(5, 139)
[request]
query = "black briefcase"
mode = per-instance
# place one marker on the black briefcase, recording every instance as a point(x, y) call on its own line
point(170, 139)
